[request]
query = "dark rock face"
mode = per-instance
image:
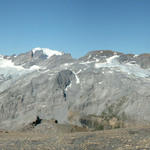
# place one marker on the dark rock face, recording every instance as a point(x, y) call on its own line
point(126, 58)
point(64, 78)
point(39, 55)
point(37, 121)
point(66, 90)
point(143, 60)
point(23, 58)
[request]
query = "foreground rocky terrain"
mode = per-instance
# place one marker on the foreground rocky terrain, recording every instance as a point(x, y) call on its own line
point(117, 139)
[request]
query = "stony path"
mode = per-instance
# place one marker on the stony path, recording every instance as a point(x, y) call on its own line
point(118, 139)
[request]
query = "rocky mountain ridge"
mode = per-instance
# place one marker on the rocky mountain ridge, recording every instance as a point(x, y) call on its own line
point(53, 85)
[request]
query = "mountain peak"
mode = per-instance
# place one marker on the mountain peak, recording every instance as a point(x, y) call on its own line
point(46, 51)
point(66, 89)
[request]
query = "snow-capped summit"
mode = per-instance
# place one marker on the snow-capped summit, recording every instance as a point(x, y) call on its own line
point(47, 51)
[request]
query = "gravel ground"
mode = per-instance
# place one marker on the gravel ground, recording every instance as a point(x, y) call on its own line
point(117, 139)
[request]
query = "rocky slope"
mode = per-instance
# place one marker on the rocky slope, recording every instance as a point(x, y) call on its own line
point(53, 85)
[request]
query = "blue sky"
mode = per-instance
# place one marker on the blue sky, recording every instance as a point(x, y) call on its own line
point(75, 26)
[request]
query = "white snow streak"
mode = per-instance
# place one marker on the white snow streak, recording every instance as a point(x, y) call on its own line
point(69, 86)
point(79, 71)
point(136, 55)
point(87, 62)
point(68, 64)
point(99, 82)
point(77, 78)
point(34, 67)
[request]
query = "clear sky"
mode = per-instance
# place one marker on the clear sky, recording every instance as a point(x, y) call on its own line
point(75, 26)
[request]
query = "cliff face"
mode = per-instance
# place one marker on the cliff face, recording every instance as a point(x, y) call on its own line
point(53, 85)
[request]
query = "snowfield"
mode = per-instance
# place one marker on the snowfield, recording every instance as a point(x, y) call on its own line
point(48, 52)
point(132, 69)
point(9, 69)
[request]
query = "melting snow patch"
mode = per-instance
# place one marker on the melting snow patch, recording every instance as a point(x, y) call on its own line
point(89, 57)
point(43, 106)
point(135, 55)
point(87, 62)
point(51, 74)
point(8, 68)
point(97, 60)
point(5, 63)
point(47, 51)
point(110, 71)
point(79, 71)
point(77, 78)
point(34, 67)
point(68, 64)
point(99, 82)
point(128, 68)
point(45, 71)
point(112, 59)
point(69, 86)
